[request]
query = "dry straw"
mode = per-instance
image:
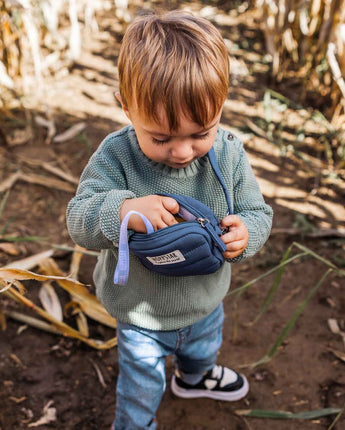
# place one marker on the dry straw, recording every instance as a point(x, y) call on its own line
point(306, 39)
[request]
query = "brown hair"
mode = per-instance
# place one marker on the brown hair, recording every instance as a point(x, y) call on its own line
point(175, 60)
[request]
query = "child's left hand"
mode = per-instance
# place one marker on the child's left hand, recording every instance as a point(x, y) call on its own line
point(237, 237)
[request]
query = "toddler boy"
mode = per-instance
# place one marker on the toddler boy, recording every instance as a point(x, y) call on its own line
point(173, 78)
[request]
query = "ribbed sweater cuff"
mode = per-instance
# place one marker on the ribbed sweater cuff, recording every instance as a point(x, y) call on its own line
point(110, 213)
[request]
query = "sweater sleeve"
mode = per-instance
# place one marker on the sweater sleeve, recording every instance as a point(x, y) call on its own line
point(93, 215)
point(250, 206)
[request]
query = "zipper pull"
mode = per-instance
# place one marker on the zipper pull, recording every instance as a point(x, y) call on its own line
point(203, 221)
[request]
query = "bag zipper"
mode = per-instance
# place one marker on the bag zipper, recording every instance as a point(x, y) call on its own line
point(205, 223)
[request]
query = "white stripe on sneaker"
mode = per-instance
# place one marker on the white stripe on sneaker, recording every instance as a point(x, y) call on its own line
point(229, 376)
point(210, 383)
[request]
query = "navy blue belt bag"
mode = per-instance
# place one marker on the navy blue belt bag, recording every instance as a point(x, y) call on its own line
point(191, 247)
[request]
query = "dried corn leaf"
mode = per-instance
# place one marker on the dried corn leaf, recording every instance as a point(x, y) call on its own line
point(87, 301)
point(9, 274)
point(70, 133)
point(31, 321)
point(63, 328)
point(82, 324)
point(50, 301)
point(75, 263)
point(30, 262)
point(9, 248)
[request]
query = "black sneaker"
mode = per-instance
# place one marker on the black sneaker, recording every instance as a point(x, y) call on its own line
point(219, 383)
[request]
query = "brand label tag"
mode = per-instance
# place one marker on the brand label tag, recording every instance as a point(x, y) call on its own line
point(170, 258)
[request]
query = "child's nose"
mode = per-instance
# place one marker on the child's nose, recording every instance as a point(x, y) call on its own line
point(182, 150)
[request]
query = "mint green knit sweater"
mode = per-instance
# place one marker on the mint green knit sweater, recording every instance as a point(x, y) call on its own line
point(119, 170)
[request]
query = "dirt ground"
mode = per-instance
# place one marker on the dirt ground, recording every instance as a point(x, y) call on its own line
point(37, 367)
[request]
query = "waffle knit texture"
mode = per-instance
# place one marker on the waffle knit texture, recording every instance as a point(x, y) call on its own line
point(119, 170)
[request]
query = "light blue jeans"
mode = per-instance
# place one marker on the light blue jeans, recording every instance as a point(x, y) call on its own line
point(142, 353)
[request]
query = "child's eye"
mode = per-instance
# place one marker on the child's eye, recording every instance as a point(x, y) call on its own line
point(201, 136)
point(159, 142)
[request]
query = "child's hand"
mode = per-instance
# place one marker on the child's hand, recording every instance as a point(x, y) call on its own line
point(158, 209)
point(237, 237)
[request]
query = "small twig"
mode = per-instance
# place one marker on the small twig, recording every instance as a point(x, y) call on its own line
point(52, 169)
point(99, 373)
point(10, 181)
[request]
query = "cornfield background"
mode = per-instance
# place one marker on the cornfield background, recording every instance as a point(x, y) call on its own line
point(305, 41)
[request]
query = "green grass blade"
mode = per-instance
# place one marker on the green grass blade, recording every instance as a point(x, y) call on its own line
point(22, 238)
point(291, 322)
point(317, 256)
point(336, 419)
point(274, 286)
point(308, 415)
point(239, 291)
point(247, 285)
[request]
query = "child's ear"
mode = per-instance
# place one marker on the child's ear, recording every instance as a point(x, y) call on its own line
point(124, 107)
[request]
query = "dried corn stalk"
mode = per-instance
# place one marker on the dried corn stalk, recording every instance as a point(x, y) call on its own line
point(27, 25)
point(308, 37)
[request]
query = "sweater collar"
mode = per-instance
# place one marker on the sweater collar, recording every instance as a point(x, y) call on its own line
point(165, 170)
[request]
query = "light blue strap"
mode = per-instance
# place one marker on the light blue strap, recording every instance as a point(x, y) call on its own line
point(122, 267)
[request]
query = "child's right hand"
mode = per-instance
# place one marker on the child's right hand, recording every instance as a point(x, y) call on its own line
point(158, 209)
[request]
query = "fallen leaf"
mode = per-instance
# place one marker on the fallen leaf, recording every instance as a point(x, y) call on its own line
point(9, 248)
point(333, 325)
point(50, 301)
point(30, 262)
point(49, 415)
point(10, 274)
point(338, 354)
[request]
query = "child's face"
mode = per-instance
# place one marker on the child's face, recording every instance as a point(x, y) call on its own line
point(176, 149)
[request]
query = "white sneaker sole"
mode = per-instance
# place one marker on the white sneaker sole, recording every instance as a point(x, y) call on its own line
point(231, 396)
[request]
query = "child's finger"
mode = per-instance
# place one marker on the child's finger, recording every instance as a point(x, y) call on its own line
point(230, 220)
point(232, 254)
point(169, 219)
point(232, 235)
point(170, 204)
point(235, 246)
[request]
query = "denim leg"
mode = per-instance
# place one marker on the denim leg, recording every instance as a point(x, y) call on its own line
point(141, 381)
point(199, 346)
